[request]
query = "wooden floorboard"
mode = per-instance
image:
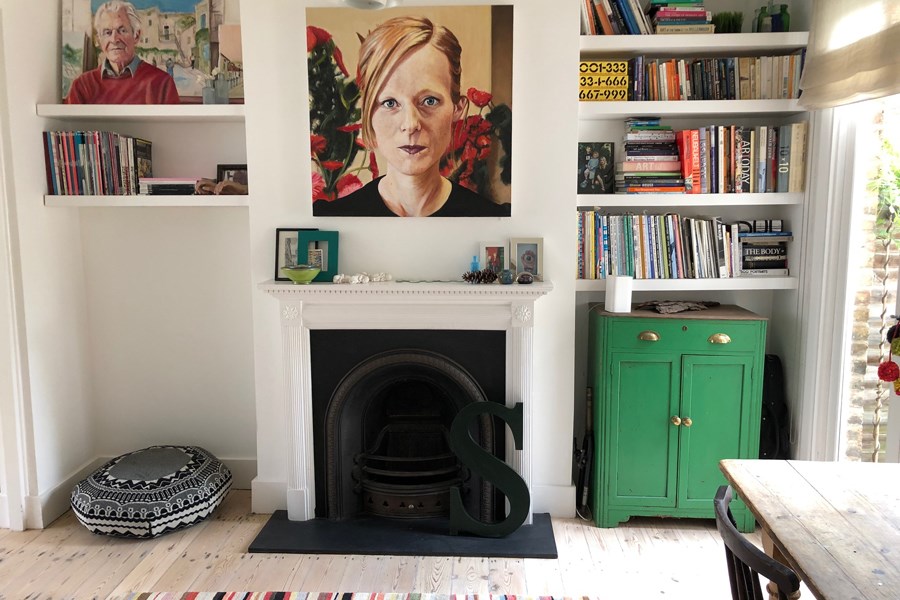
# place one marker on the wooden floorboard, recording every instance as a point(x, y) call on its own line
point(642, 558)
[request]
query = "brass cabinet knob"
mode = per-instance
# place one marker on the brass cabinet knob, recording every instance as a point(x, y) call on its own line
point(719, 338)
point(648, 336)
point(687, 422)
point(676, 420)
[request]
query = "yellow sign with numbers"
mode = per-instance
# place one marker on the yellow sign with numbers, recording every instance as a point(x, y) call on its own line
point(603, 81)
point(603, 67)
point(603, 94)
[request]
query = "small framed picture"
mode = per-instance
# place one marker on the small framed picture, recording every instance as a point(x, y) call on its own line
point(315, 257)
point(235, 173)
point(493, 256)
point(323, 245)
point(527, 256)
point(287, 244)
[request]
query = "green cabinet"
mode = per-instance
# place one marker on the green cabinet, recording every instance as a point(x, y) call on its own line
point(673, 395)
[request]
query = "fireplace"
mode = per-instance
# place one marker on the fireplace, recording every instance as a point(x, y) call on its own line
point(402, 369)
point(383, 404)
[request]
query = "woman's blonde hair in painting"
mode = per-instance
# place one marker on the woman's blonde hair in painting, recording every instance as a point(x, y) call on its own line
point(390, 43)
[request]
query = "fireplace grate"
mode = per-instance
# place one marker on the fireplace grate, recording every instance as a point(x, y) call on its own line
point(408, 472)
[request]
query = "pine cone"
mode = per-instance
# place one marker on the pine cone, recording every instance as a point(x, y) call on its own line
point(482, 276)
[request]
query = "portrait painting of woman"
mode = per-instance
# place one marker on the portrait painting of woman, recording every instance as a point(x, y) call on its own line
point(415, 142)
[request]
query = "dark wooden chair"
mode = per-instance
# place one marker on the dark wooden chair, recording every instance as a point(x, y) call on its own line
point(745, 561)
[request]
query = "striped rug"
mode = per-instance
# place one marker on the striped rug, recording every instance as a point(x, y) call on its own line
point(332, 596)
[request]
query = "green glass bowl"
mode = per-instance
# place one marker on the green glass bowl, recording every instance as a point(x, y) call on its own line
point(300, 273)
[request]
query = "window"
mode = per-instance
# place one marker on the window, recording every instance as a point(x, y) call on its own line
point(873, 267)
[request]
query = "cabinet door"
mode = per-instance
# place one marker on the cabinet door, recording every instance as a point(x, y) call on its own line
point(643, 443)
point(716, 396)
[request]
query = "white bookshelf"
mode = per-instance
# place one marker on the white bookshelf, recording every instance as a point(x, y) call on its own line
point(718, 44)
point(145, 201)
point(616, 110)
point(604, 121)
point(691, 285)
point(637, 201)
point(199, 113)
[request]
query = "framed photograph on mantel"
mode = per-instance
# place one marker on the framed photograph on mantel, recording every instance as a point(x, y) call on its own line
point(526, 255)
point(322, 246)
point(287, 250)
point(493, 256)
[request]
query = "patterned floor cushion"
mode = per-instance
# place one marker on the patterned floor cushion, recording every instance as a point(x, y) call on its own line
point(152, 491)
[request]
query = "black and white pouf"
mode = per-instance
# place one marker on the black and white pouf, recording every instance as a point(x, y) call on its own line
point(151, 491)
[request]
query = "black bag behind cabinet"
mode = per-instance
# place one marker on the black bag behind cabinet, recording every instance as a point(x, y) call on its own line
point(774, 430)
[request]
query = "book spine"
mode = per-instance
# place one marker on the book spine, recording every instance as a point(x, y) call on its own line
point(630, 23)
point(742, 163)
point(777, 272)
point(618, 19)
point(48, 162)
point(652, 166)
point(797, 177)
point(784, 158)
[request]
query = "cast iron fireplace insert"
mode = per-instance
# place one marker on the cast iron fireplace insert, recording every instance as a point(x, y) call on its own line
point(383, 404)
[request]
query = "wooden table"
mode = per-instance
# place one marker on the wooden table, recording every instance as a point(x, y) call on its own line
point(836, 524)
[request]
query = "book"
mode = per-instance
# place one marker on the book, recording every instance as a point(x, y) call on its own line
point(797, 158)
point(603, 16)
point(777, 272)
point(743, 166)
point(596, 173)
point(688, 142)
point(651, 165)
point(628, 16)
point(783, 158)
point(143, 158)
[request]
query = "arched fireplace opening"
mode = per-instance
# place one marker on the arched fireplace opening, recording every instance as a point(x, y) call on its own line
point(385, 449)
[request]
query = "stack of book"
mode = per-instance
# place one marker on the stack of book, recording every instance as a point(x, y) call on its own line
point(679, 16)
point(603, 80)
point(95, 162)
point(168, 186)
point(652, 163)
point(614, 17)
point(764, 250)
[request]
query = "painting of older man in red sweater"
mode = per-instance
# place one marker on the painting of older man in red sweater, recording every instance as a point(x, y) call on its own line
point(131, 52)
point(122, 77)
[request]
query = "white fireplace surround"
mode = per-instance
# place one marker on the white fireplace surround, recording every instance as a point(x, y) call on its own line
point(397, 305)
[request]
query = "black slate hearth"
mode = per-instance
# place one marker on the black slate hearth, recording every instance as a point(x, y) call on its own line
point(408, 537)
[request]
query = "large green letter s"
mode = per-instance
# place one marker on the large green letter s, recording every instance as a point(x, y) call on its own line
point(491, 468)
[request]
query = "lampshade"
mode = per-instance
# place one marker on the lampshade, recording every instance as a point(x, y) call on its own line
point(371, 4)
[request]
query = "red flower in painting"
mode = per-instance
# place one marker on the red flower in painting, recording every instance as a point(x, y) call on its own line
point(332, 165)
point(348, 184)
point(316, 36)
point(339, 59)
point(351, 127)
point(318, 187)
point(479, 98)
point(317, 144)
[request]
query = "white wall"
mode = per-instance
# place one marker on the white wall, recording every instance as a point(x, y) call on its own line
point(544, 105)
point(144, 326)
point(137, 322)
point(57, 382)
